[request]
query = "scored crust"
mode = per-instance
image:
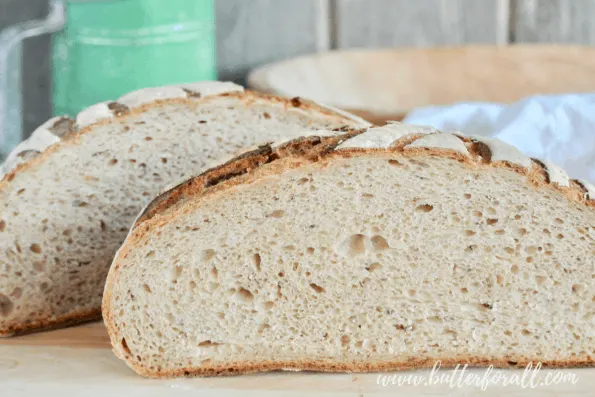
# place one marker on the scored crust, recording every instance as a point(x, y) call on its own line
point(62, 129)
point(59, 132)
point(269, 160)
point(403, 139)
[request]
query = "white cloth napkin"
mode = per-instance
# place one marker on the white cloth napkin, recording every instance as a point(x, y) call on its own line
point(558, 128)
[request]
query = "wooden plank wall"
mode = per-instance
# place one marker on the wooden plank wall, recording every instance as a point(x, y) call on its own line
point(398, 23)
point(254, 32)
point(554, 21)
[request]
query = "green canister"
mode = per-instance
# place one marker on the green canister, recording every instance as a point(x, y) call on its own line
point(105, 48)
point(111, 47)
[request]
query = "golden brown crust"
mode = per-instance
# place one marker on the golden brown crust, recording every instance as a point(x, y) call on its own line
point(479, 156)
point(241, 165)
point(66, 320)
point(354, 366)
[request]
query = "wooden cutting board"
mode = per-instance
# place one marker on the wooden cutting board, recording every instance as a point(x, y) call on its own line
point(79, 361)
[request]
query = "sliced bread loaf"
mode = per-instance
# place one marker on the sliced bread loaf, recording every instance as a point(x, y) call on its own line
point(66, 209)
point(381, 250)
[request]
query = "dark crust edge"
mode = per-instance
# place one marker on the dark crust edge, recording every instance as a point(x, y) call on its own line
point(324, 150)
point(243, 164)
point(66, 320)
point(479, 154)
point(72, 137)
point(238, 368)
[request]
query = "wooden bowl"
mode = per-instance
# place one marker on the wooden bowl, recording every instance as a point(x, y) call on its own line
point(382, 85)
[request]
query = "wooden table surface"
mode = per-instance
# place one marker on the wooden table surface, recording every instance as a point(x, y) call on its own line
point(78, 361)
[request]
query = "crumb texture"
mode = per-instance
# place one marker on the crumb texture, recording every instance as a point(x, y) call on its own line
point(361, 261)
point(63, 217)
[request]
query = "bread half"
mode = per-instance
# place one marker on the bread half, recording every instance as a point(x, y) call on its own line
point(387, 249)
point(71, 192)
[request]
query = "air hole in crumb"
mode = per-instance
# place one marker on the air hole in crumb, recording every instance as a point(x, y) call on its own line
point(411, 292)
point(317, 288)
point(522, 231)
point(2, 226)
point(467, 196)
point(35, 248)
point(150, 254)
point(499, 279)
point(302, 181)
point(39, 266)
point(526, 332)
point(471, 248)
point(207, 255)
point(163, 160)
point(214, 272)
point(277, 214)
point(478, 213)
point(470, 233)
point(310, 250)
point(373, 267)
point(262, 327)
point(395, 163)
point(514, 269)
point(125, 347)
point(244, 295)
point(464, 290)
point(353, 245)
point(539, 280)
point(491, 221)
point(559, 221)
point(560, 236)
point(147, 288)
point(424, 208)
point(177, 271)
point(257, 261)
point(16, 292)
point(113, 162)
point(6, 306)
point(345, 340)
point(577, 288)
point(208, 343)
point(379, 243)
